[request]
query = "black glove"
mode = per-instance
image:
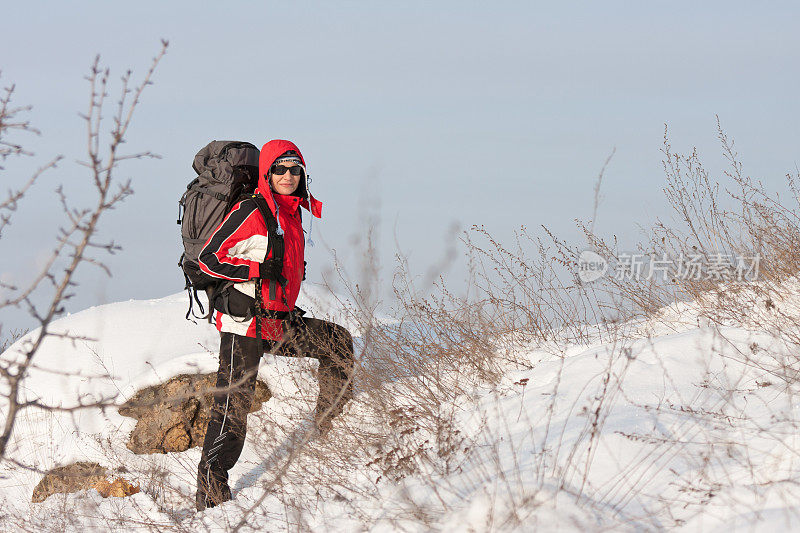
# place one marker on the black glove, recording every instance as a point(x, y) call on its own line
point(270, 269)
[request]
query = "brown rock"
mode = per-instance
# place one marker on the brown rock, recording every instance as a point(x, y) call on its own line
point(119, 488)
point(172, 416)
point(177, 439)
point(70, 478)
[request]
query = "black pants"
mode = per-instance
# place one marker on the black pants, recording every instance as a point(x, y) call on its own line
point(239, 357)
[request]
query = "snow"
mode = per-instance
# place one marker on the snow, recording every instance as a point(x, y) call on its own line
point(677, 425)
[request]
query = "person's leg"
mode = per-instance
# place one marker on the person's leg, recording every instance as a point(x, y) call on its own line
point(332, 345)
point(224, 440)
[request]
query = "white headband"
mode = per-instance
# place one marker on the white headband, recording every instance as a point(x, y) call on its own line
point(288, 159)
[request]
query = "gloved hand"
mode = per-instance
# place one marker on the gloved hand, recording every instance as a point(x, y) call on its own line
point(270, 269)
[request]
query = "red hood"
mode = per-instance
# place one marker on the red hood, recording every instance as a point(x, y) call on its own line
point(269, 153)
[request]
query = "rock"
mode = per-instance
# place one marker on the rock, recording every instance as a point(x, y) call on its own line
point(119, 488)
point(177, 439)
point(81, 476)
point(70, 478)
point(172, 416)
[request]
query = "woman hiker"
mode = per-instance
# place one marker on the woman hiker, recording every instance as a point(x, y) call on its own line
point(246, 251)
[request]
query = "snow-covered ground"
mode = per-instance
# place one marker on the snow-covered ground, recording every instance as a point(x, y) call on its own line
point(687, 427)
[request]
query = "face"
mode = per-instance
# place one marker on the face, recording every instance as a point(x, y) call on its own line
point(285, 183)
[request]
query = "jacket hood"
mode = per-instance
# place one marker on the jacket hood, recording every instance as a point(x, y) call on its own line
point(271, 151)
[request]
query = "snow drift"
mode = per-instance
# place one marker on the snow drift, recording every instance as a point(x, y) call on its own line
point(673, 424)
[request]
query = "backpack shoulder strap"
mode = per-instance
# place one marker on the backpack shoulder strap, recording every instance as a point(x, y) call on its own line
point(275, 241)
point(275, 244)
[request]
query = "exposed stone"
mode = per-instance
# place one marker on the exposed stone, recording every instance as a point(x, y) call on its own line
point(81, 476)
point(177, 439)
point(69, 478)
point(119, 488)
point(172, 416)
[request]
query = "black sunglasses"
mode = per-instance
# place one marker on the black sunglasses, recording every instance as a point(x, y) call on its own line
point(280, 170)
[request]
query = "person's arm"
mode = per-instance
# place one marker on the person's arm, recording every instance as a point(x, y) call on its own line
point(239, 225)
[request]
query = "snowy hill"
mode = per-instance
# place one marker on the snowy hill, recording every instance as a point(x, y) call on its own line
point(689, 429)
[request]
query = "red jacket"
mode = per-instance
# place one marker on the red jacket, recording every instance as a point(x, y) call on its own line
point(237, 247)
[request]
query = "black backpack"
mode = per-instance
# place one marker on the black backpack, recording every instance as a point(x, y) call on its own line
point(227, 172)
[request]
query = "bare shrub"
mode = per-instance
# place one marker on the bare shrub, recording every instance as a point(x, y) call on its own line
point(438, 348)
point(75, 249)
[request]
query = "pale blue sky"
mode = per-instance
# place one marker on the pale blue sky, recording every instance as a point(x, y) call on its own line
point(497, 113)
